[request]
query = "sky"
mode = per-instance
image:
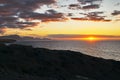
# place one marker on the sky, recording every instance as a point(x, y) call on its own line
point(60, 17)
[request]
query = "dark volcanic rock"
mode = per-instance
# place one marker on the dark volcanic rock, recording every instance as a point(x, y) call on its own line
point(19, 62)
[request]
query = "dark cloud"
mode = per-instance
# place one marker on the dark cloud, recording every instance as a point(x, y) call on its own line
point(74, 6)
point(22, 5)
point(86, 4)
point(117, 4)
point(70, 14)
point(49, 15)
point(11, 11)
point(7, 19)
point(21, 13)
point(89, 1)
point(98, 12)
point(92, 19)
point(116, 12)
point(51, 11)
point(23, 25)
point(82, 19)
point(93, 16)
point(90, 4)
point(93, 6)
point(12, 22)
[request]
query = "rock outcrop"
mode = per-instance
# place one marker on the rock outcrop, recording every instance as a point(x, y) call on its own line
point(19, 62)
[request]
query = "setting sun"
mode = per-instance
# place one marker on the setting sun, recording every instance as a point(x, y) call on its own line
point(91, 38)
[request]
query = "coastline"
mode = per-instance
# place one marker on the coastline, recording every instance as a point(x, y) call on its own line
point(25, 62)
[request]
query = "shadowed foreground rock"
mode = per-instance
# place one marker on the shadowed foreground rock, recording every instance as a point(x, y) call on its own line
point(6, 40)
point(19, 62)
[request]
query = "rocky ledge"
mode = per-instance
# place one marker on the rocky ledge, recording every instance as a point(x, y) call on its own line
point(19, 62)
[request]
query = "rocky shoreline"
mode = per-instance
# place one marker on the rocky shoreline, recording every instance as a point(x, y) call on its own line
point(18, 62)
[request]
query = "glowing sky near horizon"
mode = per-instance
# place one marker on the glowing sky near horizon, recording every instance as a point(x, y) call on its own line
point(79, 17)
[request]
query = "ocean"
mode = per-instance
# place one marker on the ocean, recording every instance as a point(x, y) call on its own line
point(104, 49)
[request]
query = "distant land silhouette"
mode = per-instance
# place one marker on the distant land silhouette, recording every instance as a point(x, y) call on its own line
point(7, 41)
point(18, 62)
point(17, 37)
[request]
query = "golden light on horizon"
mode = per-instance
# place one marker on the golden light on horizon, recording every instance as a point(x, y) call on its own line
point(91, 38)
point(69, 27)
point(95, 38)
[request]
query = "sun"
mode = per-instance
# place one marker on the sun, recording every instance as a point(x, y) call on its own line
point(91, 38)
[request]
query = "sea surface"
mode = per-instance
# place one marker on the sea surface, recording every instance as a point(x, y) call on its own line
point(104, 49)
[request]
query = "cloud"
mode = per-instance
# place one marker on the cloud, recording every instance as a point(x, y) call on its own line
point(23, 13)
point(90, 4)
point(89, 1)
point(11, 11)
point(92, 19)
point(117, 4)
point(74, 6)
point(93, 6)
point(22, 5)
point(82, 19)
point(23, 25)
point(49, 15)
point(116, 12)
point(7, 19)
point(85, 5)
point(92, 16)
point(51, 11)
point(70, 14)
